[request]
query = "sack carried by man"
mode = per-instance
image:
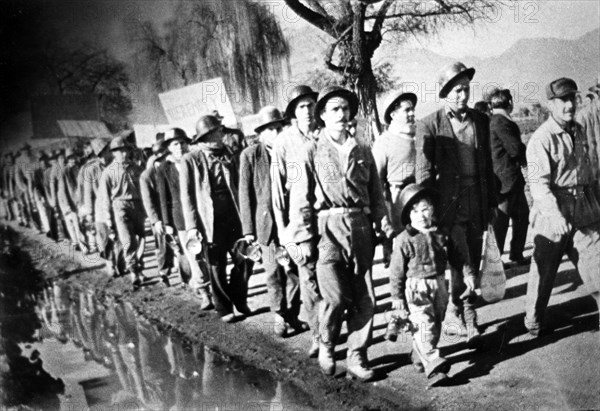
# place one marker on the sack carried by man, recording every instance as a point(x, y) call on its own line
point(493, 278)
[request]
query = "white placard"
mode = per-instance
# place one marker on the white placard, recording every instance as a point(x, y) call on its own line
point(185, 105)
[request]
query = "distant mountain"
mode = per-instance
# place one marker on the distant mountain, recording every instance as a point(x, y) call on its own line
point(525, 68)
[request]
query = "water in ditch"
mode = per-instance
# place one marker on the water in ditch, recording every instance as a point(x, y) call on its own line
point(61, 348)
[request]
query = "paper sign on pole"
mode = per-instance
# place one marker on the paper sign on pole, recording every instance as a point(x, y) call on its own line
point(185, 105)
point(145, 134)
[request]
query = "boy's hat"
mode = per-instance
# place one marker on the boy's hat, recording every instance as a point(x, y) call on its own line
point(409, 196)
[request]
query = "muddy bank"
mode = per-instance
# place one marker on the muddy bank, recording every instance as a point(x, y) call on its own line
point(251, 341)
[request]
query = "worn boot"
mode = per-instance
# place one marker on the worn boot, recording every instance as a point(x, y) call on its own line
point(313, 351)
point(206, 299)
point(279, 325)
point(358, 368)
point(473, 334)
point(326, 360)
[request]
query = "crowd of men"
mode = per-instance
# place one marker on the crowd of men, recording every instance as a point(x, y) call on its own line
point(309, 202)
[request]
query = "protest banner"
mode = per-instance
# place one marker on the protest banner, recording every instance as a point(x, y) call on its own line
point(185, 105)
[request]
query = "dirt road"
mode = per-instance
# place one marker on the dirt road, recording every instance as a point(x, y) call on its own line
point(511, 371)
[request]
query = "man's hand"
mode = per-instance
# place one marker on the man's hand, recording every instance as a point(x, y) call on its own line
point(562, 227)
point(158, 228)
point(249, 238)
point(399, 305)
point(169, 230)
point(470, 283)
point(89, 219)
point(194, 233)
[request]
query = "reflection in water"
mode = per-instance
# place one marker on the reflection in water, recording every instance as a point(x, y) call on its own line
point(155, 370)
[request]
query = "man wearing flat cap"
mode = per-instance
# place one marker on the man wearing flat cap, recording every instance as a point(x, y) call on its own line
point(349, 205)
point(119, 205)
point(394, 153)
point(454, 157)
point(293, 191)
point(209, 194)
point(258, 223)
point(565, 214)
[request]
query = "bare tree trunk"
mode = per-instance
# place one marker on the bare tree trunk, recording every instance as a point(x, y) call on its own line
point(364, 81)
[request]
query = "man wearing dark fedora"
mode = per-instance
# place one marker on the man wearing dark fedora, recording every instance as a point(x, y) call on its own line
point(119, 205)
point(349, 205)
point(258, 223)
point(394, 153)
point(292, 200)
point(209, 177)
point(193, 271)
point(454, 157)
point(565, 214)
point(151, 202)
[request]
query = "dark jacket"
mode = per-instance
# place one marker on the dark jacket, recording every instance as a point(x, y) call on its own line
point(416, 255)
point(149, 191)
point(508, 152)
point(255, 202)
point(438, 164)
point(170, 197)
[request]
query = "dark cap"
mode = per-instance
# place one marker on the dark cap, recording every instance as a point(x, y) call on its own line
point(330, 92)
point(561, 88)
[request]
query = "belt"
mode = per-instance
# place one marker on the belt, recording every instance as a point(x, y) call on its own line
point(575, 191)
point(345, 210)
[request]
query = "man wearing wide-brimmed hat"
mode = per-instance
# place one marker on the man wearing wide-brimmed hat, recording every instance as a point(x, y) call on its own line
point(292, 191)
point(151, 202)
point(209, 177)
point(258, 224)
point(454, 157)
point(96, 232)
point(119, 205)
point(349, 204)
point(68, 199)
point(193, 271)
point(565, 214)
point(394, 153)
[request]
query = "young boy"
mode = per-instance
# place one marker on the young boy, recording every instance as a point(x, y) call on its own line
point(417, 279)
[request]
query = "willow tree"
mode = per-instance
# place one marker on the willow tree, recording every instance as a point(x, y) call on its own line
point(239, 40)
point(357, 28)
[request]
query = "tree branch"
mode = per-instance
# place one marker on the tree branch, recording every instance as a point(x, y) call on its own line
point(316, 19)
